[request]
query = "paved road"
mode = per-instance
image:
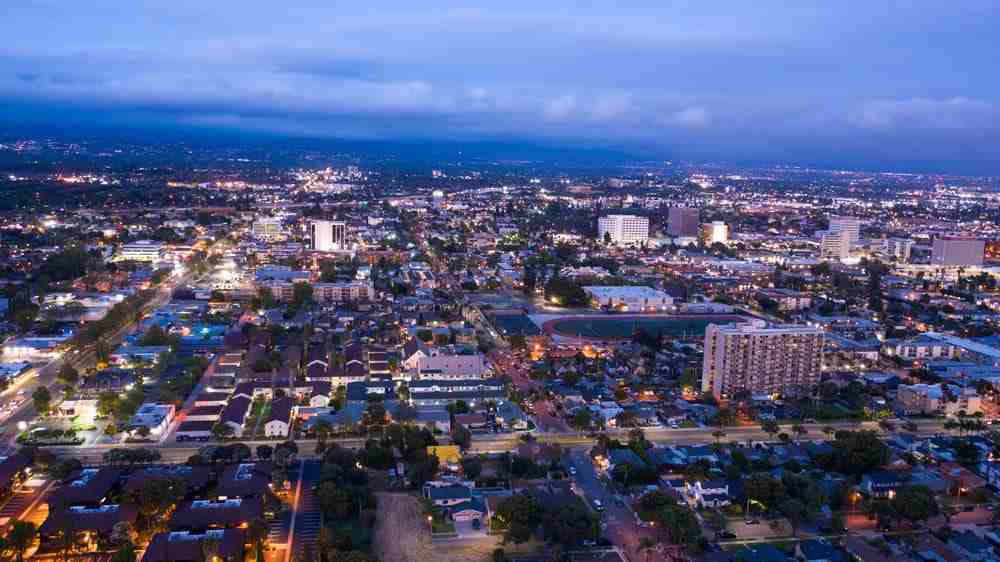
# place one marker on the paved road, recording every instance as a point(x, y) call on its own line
point(307, 511)
point(618, 522)
point(505, 442)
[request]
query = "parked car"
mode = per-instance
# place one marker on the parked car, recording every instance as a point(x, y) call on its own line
point(725, 535)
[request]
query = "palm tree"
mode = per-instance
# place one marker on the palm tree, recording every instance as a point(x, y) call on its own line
point(718, 434)
point(20, 538)
point(257, 533)
point(210, 549)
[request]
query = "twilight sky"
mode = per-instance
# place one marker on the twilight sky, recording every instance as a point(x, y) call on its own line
point(874, 83)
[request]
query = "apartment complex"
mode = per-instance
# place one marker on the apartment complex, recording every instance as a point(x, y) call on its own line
point(283, 291)
point(623, 229)
point(761, 359)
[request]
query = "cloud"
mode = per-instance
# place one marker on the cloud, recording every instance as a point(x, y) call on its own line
point(954, 114)
point(694, 117)
point(768, 79)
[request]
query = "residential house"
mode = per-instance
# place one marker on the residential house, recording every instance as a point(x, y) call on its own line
point(882, 483)
point(279, 421)
point(709, 493)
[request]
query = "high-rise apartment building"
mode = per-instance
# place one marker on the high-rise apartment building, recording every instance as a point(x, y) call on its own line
point(849, 225)
point(957, 251)
point(716, 232)
point(623, 229)
point(761, 359)
point(683, 221)
point(834, 244)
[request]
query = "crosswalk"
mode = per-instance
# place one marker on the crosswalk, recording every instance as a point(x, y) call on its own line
point(17, 504)
point(307, 522)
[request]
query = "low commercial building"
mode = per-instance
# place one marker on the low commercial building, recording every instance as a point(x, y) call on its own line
point(154, 417)
point(141, 250)
point(629, 298)
point(937, 399)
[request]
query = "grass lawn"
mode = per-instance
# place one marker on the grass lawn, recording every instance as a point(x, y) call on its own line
point(444, 526)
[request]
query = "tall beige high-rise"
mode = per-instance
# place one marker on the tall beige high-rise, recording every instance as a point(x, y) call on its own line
point(761, 359)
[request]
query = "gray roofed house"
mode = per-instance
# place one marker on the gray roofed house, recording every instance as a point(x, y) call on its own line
point(235, 414)
point(447, 495)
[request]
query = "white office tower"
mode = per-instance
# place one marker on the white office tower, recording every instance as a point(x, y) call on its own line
point(760, 359)
point(322, 236)
point(623, 229)
point(899, 248)
point(849, 225)
point(958, 251)
point(715, 232)
point(834, 244)
point(339, 235)
point(267, 228)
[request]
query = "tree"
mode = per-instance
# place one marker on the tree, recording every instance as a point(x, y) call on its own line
point(264, 452)
point(68, 375)
point(222, 431)
point(570, 525)
point(461, 436)
point(518, 515)
point(582, 419)
point(799, 430)
point(915, 503)
point(20, 538)
point(155, 498)
point(856, 452)
point(257, 534)
point(795, 511)
point(770, 427)
point(126, 553)
point(678, 525)
point(42, 399)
